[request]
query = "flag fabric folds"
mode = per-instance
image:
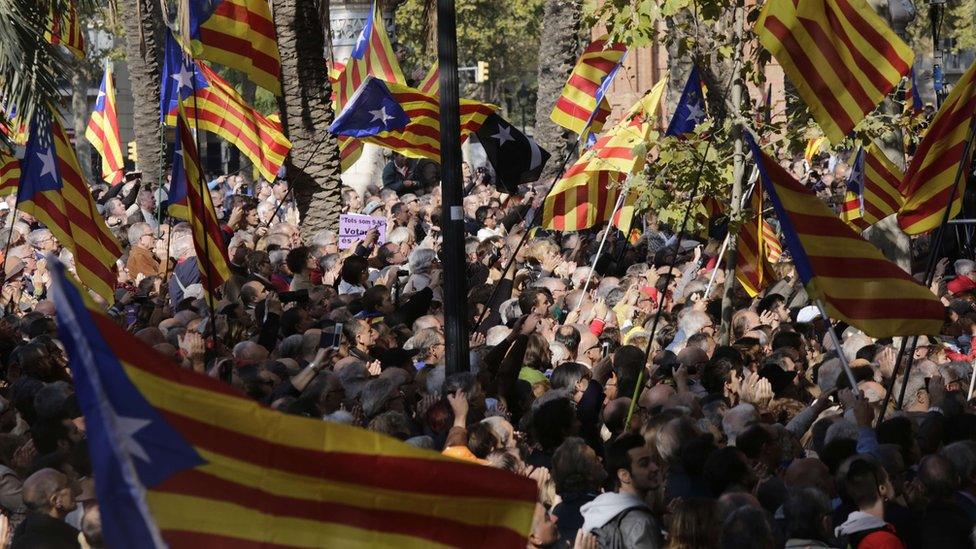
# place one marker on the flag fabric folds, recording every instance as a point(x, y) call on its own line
point(582, 107)
point(872, 189)
point(516, 157)
point(849, 275)
point(239, 34)
point(215, 106)
point(841, 56)
point(66, 31)
point(623, 147)
point(9, 172)
point(928, 181)
point(690, 110)
point(189, 199)
point(753, 269)
point(420, 137)
point(184, 460)
point(582, 198)
point(52, 190)
point(774, 248)
point(103, 131)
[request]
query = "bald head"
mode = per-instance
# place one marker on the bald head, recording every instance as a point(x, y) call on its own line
point(47, 492)
point(248, 351)
point(657, 395)
point(809, 472)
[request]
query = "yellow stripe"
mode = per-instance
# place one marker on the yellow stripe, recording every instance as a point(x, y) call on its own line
point(873, 288)
point(473, 511)
point(220, 518)
point(244, 416)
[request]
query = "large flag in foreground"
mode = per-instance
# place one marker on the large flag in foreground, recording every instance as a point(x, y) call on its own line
point(215, 106)
point(53, 190)
point(841, 56)
point(872, 189)
point(239, 34)
point(855, 282)
point(186, 461)
point(403, 119)
point(582, 107)
point(928, 182)
point(189, 199)
point(103, 131)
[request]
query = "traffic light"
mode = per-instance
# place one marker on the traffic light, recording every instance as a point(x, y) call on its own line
point(133, 153)
point(481, 75)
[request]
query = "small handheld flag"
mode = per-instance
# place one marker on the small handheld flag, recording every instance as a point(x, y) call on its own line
point(690, 110)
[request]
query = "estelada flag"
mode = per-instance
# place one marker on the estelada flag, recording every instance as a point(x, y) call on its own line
point(184, 460)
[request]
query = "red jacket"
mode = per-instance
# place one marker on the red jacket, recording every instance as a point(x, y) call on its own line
point(960, 284)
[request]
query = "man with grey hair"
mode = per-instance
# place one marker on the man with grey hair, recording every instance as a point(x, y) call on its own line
point(145, 209)
point(965, 276)
point(43, 241)
point(331, 266)
point(186, 272)
point(141, 259)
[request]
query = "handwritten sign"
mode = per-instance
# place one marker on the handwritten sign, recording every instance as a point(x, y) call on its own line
point(353, 227)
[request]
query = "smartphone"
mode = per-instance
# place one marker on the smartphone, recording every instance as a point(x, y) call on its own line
point(331, 340)
point(292, 297)
point(605, 349)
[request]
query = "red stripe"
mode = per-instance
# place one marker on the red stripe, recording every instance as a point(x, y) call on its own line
point(82, 256)
point(242, 49)
point(934, 206)
point(936, 136)
point(247, 118)
point(440, 478)
point(573, 110)
point(873, 37)
point(878, 80)
point(857, 267)
point(376, 48)
point(911, 310)
point(822, 90)
point(435, 529)
point(833, 58)
point(255, 20)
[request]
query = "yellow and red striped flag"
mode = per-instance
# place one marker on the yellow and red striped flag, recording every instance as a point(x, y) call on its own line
point(873, 189)
point(753, 269)
point(186, 461)
point(582, 107)
point(623, 147)
point(189, 199)
point(103, 131)
point(52, 190)
point(774, 248)
point(841, 56)
point(419, 135)
point(928, 182)
point(813, 148)
point(66, 31)
point(239, 34)
point(848, 274)
point(216, 107)
point(9, 173)
point(431, 84)
point(582, 198)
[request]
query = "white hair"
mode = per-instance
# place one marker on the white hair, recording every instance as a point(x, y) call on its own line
point(398, 235)
point(421, 259)
point(496, 335)
point(559, 353)
point(964, 266)
point(736, 420)
point(691, 321)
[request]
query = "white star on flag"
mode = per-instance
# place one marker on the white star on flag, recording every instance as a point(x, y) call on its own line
point(380, 114)
point(101, 96)
point(504, 134)
point(361, 40)
point(695, 114)
point(47, 159)
point(127, 428)
point(184, 78)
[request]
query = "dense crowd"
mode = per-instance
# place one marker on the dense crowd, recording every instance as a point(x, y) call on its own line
point(757, 443)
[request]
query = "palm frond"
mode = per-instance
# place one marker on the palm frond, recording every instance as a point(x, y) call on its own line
point(32, 71)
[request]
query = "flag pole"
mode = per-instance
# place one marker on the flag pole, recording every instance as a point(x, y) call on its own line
point(837, 347)
point(206, 235)
point(934, 249)
point(452, 212)
point(603, 241)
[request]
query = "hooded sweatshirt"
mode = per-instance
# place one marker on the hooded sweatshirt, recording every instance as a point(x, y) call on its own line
point(637, 528)
point(866, 531)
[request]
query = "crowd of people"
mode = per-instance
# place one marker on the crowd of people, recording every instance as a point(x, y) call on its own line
point(760, 442)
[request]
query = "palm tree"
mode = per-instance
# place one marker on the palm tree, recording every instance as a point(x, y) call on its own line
point(557, 55)
point(306, 112)
point(144, 39)
point(31, 69)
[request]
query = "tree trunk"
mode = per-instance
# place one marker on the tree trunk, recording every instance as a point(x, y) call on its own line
point(306, 113)
point(80, 80)
point(557, 55)
point(144, 41)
